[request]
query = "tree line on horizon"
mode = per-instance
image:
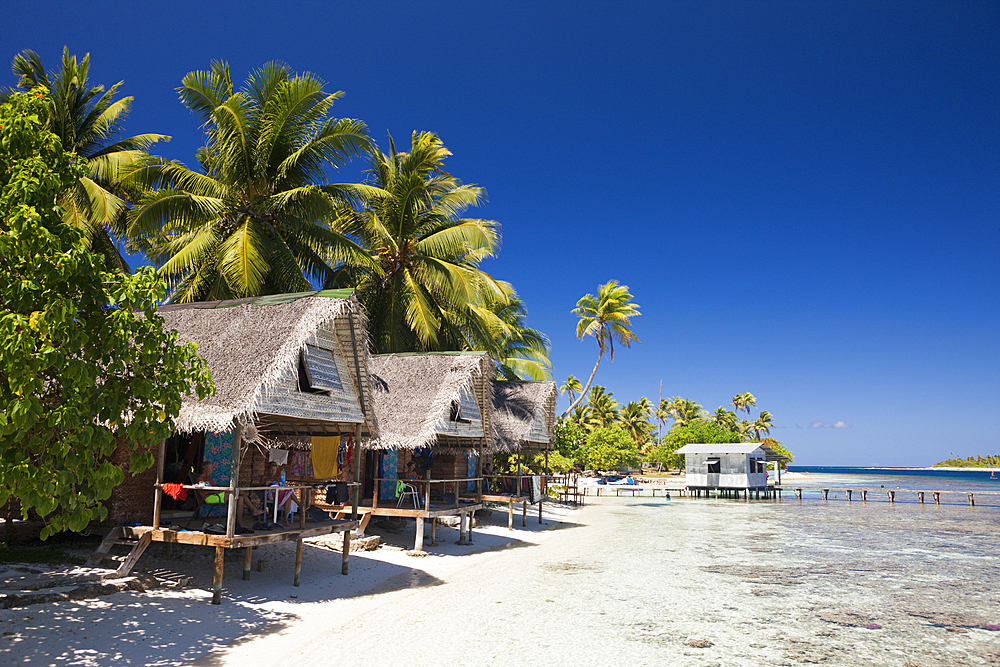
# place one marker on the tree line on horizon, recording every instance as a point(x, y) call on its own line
point(257, 216)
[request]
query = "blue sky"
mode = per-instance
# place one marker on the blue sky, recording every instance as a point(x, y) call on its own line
point(802, 196)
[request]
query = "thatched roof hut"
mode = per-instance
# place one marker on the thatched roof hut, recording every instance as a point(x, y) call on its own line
point(524, 415)
point(295, 364)
point(433, 400)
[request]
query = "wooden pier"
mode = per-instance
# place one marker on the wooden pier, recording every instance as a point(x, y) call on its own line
point(890, 494)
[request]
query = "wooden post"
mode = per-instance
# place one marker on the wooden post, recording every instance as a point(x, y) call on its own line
point(347, 552)
point(524, 513)
point(920, 497)
point(510, 514)
point(234, 478)
point(825, 492)
point(303, 505)
point(220, 559)
point(298, 561)
point(418, 543)
point(468, 530)
point(461, 528)
point(972, 500)
point(434, 525)
point(247, 557)
point(540, 507)
point(356, 464)
point(849, 491)
point(427, 492)
point(864, 495)
point(937, 497)
point(892, 496)
point(158, 492)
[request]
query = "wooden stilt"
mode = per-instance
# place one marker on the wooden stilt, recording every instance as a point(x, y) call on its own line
point(864, 495)
point(972, 500)
point(937, 497)
point(234, 478)
point(892, 496)
point(418, 543)
point(468, 529)
point(220, 559)
point(825, 493)
point(298, 561)
point(510, 514)
point(434, 525)
point(158, 492)
point(347, 552)
point(849, 495)
point(920, 497)
point(524, 514)
point(247, 557)
point(540, 509)
point(356, 465)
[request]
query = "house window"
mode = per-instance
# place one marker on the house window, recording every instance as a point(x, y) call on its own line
point(318, 372)
point(456, 413)
point(714, 466)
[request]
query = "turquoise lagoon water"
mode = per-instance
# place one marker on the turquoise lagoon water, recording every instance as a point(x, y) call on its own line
point(953, 484)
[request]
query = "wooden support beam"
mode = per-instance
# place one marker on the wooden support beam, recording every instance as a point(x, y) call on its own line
point(892, 496)
point(356, 465)
point(434, 525)
point(825, 492)
point(972, 500)
point(347, 552)
point(468, 530)
point(864, 495)
point(510, 514)
point(220, 560)
point(937, 497)
point(920, 497)
point(157, 491)
point(418, 543)
point(234, 478)
point(849, 491)
point(524, 513)
point(298, 561)
point(247, 557)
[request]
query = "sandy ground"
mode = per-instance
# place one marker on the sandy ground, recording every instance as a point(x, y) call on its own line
point(263, 621)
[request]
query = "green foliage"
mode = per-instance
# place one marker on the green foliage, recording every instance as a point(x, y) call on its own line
point(85, 365)
point(557, 463)
point(778, 449)
point(707, 432)
point(978, 461)
point(569, 437)
point(609, 447)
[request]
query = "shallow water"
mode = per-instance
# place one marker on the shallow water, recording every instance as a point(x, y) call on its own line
point(719, 582)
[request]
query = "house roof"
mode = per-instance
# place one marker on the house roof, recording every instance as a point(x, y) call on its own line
point(731, 448)
point(515, 408)
point(249, 343)
point(413, 395)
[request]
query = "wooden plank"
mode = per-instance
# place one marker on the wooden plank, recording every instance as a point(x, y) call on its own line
point(133, 556)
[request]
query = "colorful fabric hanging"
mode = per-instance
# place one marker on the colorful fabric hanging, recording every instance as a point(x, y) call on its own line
point(324, 456)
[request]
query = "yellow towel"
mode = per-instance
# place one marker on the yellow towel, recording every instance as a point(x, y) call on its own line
point(324, 456)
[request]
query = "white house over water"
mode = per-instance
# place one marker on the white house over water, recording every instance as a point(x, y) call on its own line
point(738, 466)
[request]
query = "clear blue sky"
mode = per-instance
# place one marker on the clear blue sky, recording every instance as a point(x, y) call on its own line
point(804, 197)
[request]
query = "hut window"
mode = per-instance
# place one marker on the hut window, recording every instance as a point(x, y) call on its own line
point(318, 372)
point(456, 414)
point(714, 467)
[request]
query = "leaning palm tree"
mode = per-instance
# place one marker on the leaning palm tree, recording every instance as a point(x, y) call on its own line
point(571, 386)
point(255, 218)
point(605, 317)
point(428, 292)
point(88, 121)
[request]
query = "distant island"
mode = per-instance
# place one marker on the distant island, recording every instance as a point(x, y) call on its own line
point(970, 462)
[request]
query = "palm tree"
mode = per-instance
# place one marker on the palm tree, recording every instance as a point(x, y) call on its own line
point(662, 415)
point(571, 386)
point(88, 120)
point(725, 418)
point(685, 411)
point(520, 352)
point(603, 407)
point(764, 422)
point(428, 292)
point(633, 420)
point(605, 317)
point(584, 416)
point(255, 219)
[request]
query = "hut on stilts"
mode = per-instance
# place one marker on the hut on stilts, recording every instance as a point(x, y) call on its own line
point(524, 415)
point(432, 409)
point(290, 373)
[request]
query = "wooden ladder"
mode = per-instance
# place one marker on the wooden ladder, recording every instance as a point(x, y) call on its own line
point(118, 537)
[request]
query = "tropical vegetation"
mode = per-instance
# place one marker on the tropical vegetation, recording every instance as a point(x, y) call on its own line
point(88, 120)
point(978, 461)
point(606, 318)
point(86, 365)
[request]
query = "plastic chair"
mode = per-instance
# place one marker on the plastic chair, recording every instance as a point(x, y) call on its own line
point(408, 490)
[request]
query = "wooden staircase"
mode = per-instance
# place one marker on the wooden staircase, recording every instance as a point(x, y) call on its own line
point(118, 538)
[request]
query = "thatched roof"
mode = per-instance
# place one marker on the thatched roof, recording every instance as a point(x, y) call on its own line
point(515, 408)
point(413, 394)
point(249, 343)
